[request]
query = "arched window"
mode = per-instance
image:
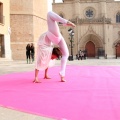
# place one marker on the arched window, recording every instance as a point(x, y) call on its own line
point(118, 17)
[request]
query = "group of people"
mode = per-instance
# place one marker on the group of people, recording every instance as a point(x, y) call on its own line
point(81, 55)
point(30, 52)
point(46, 52)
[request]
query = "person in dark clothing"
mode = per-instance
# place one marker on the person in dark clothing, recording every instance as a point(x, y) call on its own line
point(32, 52)
point(77, 56)
point(28, 53)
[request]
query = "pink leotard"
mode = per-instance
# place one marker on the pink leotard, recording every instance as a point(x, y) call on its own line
point(52, 19)
point(54, 36)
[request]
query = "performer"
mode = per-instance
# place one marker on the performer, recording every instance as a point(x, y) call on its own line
point(56, 53)
point(54, 36)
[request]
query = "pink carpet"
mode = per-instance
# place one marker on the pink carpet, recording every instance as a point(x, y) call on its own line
point(90, 93)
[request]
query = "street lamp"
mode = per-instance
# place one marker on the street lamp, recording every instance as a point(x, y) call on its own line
point(71, 33)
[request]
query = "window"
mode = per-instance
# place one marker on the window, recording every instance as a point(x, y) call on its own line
point(118, 17)
point(1, 12)
point(2, 49)
point(89, 13)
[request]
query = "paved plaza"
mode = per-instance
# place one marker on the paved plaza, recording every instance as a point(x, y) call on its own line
point(7, 66)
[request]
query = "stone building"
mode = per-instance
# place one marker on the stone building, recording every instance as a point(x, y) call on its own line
point(97, 30)
point(5, 49)
point(21, 22)
point(28, 21)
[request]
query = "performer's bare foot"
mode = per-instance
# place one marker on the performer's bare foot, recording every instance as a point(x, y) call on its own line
point(62, 78)
point(46, 77)
point(71, 24)
point(36, 80)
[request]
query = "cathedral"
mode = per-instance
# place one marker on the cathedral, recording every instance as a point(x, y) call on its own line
point(97, 31)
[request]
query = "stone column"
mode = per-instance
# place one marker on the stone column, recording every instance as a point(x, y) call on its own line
point(7, 45)
point(76, 8)
point(104, 15)
point(102, 8)
point(76, 14)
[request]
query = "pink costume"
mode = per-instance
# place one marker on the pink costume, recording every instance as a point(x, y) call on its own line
point(45, 47)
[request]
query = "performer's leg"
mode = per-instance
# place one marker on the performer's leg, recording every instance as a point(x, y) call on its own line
point(65, 54)
point(52, 18)
point(36, 76)
point(46, 74)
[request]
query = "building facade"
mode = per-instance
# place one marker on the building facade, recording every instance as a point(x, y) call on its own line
point(97, 30)
point(5, 30)
point(28, 21)
point(21, 22)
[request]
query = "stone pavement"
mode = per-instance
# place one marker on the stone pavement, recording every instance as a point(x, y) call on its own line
point(7, 67)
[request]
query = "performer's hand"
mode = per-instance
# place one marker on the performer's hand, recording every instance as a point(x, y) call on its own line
point(70, 24)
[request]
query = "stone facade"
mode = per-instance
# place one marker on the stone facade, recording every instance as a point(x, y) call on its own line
point(5, 31)
point(97, 30)
point(28, 21)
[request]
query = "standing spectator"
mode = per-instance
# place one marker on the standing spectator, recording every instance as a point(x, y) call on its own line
point(77, 56)
point(82, 55)
point(80, 52)
point(28, 53)
point(32, 52)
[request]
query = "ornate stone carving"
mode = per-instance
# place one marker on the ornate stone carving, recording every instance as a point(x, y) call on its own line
point(94, 20)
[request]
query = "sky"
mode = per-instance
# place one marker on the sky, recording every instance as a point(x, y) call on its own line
point(50, 2)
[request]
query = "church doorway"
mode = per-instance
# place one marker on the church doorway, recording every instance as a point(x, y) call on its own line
point(90, 44)
point(118, 51)
point(90, 47)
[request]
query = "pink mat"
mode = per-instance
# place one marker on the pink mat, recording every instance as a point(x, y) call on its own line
point(90, 93)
